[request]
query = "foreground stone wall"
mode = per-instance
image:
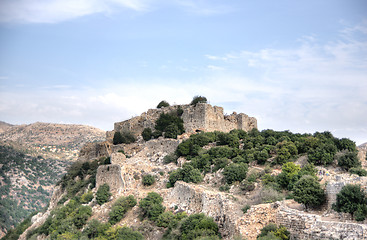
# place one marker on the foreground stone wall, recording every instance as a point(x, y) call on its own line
point(194, 199)
point(310, 226)
point(202, 116)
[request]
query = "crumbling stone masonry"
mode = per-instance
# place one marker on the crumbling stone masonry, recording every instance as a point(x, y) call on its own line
point(310, 226)
point(201, 116)
point(110, 174)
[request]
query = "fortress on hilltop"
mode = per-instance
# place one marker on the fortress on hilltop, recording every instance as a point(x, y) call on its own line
point(199, 117)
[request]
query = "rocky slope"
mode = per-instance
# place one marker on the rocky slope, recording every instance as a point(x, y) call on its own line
point(32, 159)
point(198, 182)
point(4, 126)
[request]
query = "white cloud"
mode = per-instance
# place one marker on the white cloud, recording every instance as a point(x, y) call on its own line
point(316, 86)
point(52, 11)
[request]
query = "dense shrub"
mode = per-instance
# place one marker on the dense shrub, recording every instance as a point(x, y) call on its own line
point(148, 180)
point(170, 221)
point(82, 215)
point(359, 171)
point(308, 191)
point(147, 134)
point(103, 194)
point(151, 206)
point(128, 234)
point(272, 231)
point(235, 172)
point(346, 144)
point(170, 158)
point(352, 199)
point(86, 197)
point(120, 207)
point(349, 160)
point(198, 99)
point(187, 174)
point(170, 123)
point(289, 170)
point(198, 225)
point(95, 229)
point(163, 104)
point(124, 137)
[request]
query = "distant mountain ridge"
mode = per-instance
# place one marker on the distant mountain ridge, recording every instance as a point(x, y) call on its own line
point(4, 126)
point(67, 135)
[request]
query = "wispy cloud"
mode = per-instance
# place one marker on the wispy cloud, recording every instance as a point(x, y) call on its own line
point(316, 86)
point(52, 11)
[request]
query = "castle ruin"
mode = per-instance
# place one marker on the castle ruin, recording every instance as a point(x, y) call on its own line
point(199, 117)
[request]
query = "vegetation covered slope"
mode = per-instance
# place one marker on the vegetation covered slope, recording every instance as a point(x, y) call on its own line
point(26, 184)
point(232, 158)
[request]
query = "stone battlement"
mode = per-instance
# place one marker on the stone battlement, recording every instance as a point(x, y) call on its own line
point(201, 116)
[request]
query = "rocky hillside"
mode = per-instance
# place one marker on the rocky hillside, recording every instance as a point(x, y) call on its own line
point(202, 184)
point(4, 126)
point(32, 159)
point(67, 136)
point(26, 184)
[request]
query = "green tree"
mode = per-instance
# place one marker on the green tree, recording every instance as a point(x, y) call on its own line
point(124, 137)
point(95, 229)
point(349, 160)
point(86, 197)
point(351, 199)
point(82, 215)
point(163, 104)
point(289, 170)
point(147, 134)
point(117, 138)
point(273, 232)
point(126, 233)
point(308, 191)
point(198, 225)
point(235, 172)
point(170, 123)
point(120, 207)
point(198, 99)
point(151, 206)
point(103, 194)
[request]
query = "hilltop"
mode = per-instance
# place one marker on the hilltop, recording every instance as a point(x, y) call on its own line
point(189, 172)
point(67, 135)
point(4, 126)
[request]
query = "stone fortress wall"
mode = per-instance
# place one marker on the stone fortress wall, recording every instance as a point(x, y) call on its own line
point(201, 116)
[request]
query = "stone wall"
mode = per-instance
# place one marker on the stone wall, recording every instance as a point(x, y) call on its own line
point(310, 226)
point(336, 184)
point(110, 174)
point(257, 217)
point(202, 116)
point(91, 151)
point(194, 199)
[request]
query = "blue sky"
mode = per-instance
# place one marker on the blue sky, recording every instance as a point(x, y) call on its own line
point(294, 65)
